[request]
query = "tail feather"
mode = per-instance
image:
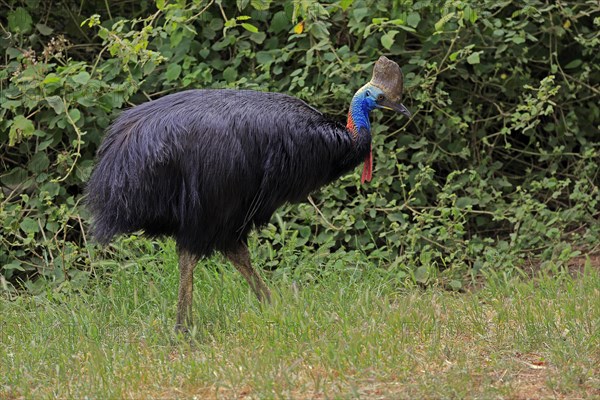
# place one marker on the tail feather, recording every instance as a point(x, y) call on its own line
point(123, 185)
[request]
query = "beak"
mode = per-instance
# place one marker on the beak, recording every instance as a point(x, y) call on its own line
point(398, 107)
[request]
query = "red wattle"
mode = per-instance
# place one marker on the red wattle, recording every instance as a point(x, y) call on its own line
point(367, 173)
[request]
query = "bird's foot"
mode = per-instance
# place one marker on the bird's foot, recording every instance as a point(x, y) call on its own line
point(182, 329)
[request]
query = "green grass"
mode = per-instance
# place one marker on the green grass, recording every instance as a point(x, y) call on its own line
point(354, 333)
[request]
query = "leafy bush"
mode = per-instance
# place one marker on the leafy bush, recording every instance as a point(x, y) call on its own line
point(499, 162)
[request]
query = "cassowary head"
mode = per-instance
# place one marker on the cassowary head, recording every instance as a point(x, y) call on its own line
point(384, 90)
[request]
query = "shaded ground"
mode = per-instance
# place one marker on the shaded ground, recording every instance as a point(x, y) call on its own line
point(575, 265)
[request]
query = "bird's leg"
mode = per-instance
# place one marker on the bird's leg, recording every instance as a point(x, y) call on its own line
point(240, 258)
point(187, 263)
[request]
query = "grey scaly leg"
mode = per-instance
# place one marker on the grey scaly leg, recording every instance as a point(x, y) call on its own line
point(187, 263)
point(240, 257)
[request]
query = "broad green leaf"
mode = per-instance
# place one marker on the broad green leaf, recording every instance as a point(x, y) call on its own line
point(258, 37)
point(413, 19)
point(464, 201)
point(574, 64)
point(260, 5)
point(21, 128)
point(360, 13)
point(10, 104)
point(52, 226)
point(216, 24)
point(345, 4)
point(173, 72)
point(44, 144)
point(455, 284)
point(473, 58)
point(387, 40)
point(84, 170)
point(19, 20)
point(176, 38)
point(12, 53)
point(29, 225)
point(264, 57)
point(396, 217)
point(56, 102)
point(13, 265)
point(44, 29)
point(422, 274)
point(50, 79)
point(279, 22)
point(39, 162)
point(82, 77)
point(319, 30)
point(221, 44)
point(15, 177)
point(52, 188)
point(149, 67)
point(470, 14)
point(230, 74)
point(74, 114)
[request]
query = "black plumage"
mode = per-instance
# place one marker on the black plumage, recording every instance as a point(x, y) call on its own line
point(208, 174)
point(207, 166)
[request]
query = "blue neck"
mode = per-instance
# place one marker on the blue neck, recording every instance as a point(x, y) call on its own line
point(360, 108)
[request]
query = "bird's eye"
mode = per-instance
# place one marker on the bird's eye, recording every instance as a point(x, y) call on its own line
point(380, 97)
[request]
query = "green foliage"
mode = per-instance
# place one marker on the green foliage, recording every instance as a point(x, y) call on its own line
point(499, 162)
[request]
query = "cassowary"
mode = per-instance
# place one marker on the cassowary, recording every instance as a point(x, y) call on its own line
point(207, 166)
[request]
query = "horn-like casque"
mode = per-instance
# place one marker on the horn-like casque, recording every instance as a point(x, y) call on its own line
point(388, 77)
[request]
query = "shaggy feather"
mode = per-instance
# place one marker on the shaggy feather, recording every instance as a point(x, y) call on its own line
point(207, 166)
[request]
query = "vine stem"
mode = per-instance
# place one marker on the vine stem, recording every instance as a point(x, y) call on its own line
point(78, 133)
point(329, 224)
